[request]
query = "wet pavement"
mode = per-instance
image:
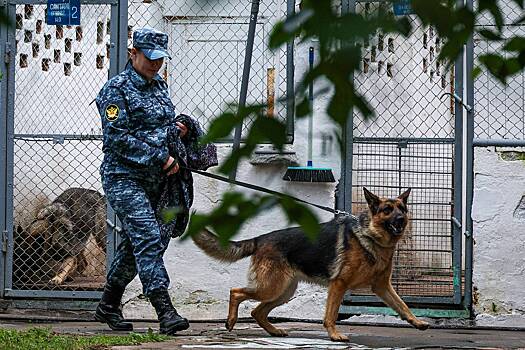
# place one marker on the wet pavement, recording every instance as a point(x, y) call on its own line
point(302, 335)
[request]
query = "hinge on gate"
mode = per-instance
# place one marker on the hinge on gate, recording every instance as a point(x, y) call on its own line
point(456, 222)
point(114, 227)
point(3, 3)
point(4, 241)
point(7, 54)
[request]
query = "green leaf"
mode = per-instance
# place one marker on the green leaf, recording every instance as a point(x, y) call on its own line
point(502, 68)
point(476, 72)
point(493, 8)
point(270, 129)
point(289, 28)
point(303, 108)
point(234, 158)
point(169, 214)
point(299, 213)
point(221, 127)
point(227, 219)
point(490, 35)
point(515, 44)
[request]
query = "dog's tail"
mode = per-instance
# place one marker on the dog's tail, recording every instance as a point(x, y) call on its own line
point(209, 243)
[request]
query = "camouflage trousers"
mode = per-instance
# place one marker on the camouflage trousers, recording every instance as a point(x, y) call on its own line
point(142, 246)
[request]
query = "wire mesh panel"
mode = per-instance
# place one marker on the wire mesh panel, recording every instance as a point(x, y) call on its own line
point(207, 44)
point(423, 264)
point(59, 212)
point(499, 108)
point(59, 71)
point(410, 143)
point(404, 83)
point(60, 216)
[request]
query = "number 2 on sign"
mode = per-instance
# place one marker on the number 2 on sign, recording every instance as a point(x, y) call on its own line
point(74, 12)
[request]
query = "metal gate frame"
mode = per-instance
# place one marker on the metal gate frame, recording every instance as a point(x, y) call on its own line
point(118, 38)
point(460, 304)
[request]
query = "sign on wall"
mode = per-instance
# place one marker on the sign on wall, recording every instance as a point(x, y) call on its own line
point(63, 12)
point(402, 7)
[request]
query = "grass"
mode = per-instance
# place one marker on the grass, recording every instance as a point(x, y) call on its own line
point(46, 339)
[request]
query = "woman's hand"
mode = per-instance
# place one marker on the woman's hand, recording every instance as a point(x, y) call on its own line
point(183, 129)
point(172, 165)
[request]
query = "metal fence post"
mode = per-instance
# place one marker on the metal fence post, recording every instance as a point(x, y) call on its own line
point(3, 146)
point(469, 239)
point(344, 198)
point(245, 76)
point(9, 131)
point(458, 174)
point(290, 83)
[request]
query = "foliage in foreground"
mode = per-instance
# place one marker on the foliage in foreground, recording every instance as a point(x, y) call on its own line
point(340, 35)
point(45, 338)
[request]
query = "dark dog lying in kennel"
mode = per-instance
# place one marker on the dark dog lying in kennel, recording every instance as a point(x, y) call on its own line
point(61, 240)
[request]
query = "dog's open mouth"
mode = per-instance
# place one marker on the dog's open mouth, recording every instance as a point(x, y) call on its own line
point(395, 230)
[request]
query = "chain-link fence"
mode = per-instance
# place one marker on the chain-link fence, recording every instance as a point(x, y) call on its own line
point(411, 143)
point(59, 213)
point(207, 44)
point(58, 239)
point(499, 108)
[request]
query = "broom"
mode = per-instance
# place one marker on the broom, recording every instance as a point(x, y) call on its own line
point(309, 173)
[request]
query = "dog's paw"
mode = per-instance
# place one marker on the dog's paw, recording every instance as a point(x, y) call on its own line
point(277, 332)
point(229, 324)
point(339, 337)
point(57, 280)
point(421, 325)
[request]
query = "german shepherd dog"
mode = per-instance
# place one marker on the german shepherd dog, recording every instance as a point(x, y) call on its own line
point(62, 238)
point(350, 252)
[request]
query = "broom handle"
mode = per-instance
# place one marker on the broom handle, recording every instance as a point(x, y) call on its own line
point(311, 105)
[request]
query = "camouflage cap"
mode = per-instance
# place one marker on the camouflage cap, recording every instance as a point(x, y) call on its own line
point(153, 43)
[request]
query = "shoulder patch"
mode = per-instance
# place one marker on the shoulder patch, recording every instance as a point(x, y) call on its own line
point(112, 112)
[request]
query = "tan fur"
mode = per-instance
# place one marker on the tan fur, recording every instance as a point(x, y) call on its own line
point(234, 251)
point(66, 268)
point(366, 262)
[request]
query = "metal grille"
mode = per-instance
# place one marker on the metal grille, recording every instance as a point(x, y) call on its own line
point(410, 143)
point(499, 108)
point(207, 44)
point(404, 83)
point(59, 235)
point(423, 264)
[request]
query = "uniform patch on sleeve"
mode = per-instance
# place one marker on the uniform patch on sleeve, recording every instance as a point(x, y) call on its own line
point(112, 112)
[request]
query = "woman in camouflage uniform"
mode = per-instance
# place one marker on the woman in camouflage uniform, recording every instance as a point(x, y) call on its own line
point(137, 114)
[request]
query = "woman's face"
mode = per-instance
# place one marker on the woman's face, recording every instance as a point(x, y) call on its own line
point(144, 66)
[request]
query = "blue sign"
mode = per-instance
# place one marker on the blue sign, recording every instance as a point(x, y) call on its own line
point(402, 7)
point(63, 12)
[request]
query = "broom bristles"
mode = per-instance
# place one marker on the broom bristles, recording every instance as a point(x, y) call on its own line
point(308, 174)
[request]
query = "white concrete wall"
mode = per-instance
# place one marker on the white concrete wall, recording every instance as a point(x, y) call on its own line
point(499, 235)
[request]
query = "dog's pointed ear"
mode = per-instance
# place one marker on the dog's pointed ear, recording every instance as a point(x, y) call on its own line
point(372, 200)
point(404, 196)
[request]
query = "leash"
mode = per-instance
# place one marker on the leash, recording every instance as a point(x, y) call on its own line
point(262, 189)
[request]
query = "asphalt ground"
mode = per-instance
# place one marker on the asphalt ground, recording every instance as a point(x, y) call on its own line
point(301, 335)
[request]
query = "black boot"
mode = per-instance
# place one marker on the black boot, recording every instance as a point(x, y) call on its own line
point(108, 310)
point(170, 321)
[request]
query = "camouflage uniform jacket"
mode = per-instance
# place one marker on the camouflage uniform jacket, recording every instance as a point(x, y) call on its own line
point(135, 118)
